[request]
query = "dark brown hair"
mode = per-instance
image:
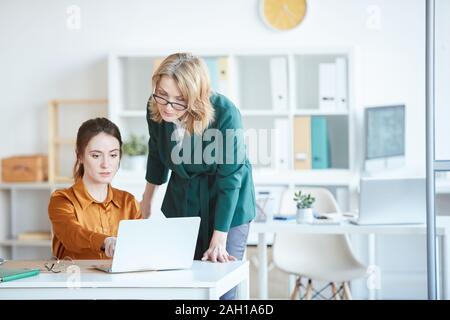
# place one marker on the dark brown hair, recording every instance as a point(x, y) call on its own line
point(86, 132)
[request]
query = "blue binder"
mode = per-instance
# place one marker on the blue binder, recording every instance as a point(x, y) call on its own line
point(319, 143)
point(213, 73)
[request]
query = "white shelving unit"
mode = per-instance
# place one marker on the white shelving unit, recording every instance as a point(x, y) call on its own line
point(26, 243)
point(24, 206)
point(250, 84)
point(27, 211)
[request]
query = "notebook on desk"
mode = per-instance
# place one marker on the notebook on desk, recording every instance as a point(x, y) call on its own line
point(328, 219)
point(154, 244)
point(392, 201)
point(283, 217)
point(331, 218)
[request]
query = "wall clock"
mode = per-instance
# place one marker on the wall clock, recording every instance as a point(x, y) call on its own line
point(283, 14)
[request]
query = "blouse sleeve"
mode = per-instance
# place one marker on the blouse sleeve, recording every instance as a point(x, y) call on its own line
point(66, 227)
point(229, 173)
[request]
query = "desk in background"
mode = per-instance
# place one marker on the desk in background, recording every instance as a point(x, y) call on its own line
point(265, 228)
point(205, 280)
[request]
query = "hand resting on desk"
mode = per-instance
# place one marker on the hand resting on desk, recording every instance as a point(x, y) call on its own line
point(217, 251)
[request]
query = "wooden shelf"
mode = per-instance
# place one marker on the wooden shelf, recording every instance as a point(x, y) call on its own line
point(64, 141)
point(79, 101)
point(54, 137)
point(26, 243)
point(32, 186)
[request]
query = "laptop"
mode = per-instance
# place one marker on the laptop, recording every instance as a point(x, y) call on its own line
point(392, 201)
point(154, 244)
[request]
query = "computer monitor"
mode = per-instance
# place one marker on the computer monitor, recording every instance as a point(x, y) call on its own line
point(384, 137)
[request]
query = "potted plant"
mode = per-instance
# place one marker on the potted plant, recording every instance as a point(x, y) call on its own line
point(135, 150)
point(304, 207)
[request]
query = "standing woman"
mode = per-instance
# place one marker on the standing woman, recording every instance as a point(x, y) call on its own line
point(184, 114)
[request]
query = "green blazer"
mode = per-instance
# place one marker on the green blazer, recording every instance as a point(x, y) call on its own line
point(219, 190)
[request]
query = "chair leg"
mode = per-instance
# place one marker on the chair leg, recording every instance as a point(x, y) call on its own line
point(296, 291)
point(347, 292)
point(335, 292)
point(309, 290)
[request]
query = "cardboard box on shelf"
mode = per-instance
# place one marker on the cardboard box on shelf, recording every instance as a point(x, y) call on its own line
point(31, 168)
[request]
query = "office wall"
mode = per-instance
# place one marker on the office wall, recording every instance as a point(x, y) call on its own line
point(41, 58)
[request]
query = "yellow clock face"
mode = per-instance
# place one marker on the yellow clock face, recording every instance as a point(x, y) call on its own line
point(283, 14)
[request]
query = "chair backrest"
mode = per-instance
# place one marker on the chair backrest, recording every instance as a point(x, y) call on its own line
point(315, 256)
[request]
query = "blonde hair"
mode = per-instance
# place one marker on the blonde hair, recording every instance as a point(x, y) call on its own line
point(192, 78)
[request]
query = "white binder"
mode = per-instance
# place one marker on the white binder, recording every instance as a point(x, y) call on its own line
point(341, 84)
point(279, 84)
point(281, 147)
point(327, 86)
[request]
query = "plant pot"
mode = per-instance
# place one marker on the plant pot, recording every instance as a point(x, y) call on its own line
point(305, 215)
point(135, 163)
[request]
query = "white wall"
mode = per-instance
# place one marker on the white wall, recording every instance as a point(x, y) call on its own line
point(42, 59)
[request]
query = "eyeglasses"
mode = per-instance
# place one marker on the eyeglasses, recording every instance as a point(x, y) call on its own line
point(57, 265)
point(175, 105)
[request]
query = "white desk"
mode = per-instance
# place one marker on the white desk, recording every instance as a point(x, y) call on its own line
point(205, 280)
point(442, 232)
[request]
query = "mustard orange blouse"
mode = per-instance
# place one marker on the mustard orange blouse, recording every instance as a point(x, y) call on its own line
point(81, 224)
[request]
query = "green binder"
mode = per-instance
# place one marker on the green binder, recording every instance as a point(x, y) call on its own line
point(319, 143)
point(14, 274)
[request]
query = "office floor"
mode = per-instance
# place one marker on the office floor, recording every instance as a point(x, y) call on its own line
point(278, 280)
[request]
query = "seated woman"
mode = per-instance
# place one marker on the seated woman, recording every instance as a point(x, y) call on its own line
point(86, 216)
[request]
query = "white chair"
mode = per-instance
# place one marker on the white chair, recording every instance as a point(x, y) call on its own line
point(321, 257)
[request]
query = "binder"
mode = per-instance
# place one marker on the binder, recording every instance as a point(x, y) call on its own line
point(327, 86)
point(337, 128)
point(302, 143)
point(341, 84)
point(218, 74)
point(278, 81)
point(281, 150)
point(14, 274)
point(212, 65)
point(319, 143)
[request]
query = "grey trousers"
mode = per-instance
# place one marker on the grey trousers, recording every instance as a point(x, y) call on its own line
point(236, 244)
